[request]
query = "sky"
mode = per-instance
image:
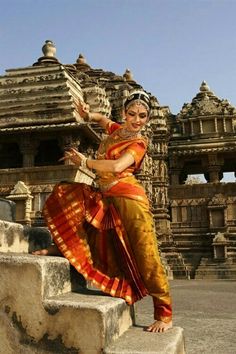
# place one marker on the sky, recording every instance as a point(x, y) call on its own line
point(170, 46)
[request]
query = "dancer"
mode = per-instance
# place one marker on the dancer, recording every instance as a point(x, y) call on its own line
point(107, 233)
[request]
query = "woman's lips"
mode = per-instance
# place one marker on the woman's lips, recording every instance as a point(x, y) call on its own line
point(136, 126)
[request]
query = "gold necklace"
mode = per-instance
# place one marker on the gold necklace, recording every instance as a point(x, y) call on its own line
point(124, 133)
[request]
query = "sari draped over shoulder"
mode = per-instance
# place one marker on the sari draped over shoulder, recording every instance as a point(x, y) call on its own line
point(107, 233)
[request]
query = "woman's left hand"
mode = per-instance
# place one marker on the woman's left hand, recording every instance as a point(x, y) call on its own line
point(74, 156)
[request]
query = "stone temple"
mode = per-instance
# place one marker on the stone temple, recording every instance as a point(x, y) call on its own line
point(195, 222)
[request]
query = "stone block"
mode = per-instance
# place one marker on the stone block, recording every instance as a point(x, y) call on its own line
point(137, 341)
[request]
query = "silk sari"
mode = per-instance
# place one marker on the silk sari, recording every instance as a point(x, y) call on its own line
point(107, 233)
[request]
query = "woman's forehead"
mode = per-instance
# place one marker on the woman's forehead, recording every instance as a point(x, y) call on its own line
point(137, 106)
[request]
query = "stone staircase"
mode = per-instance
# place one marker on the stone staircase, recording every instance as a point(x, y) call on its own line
point(176, 262)
point(45, 309)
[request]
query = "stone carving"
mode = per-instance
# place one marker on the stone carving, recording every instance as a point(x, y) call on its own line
point(97, 99)
point(49, 49)
point(30, 80)
point(219, 238)
point(206, 103)
point(218, 199)
point(44, 188)
point(220, 246)
point(20, 189)
point(160, 197)
point(23, 198)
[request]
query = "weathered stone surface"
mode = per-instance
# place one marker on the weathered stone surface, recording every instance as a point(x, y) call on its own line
point(38, 312)
point(38, 238)
point(215, 269)
point(7, 210)
point(137, 341)
point(12, 237)
point(24, 239)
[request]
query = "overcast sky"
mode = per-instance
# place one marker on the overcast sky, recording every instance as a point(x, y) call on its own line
point(171, 46)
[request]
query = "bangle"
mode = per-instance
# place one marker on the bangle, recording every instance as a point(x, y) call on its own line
point(83, 163)
point(88, 117)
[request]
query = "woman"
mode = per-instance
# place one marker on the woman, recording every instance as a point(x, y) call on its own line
point(107, 233)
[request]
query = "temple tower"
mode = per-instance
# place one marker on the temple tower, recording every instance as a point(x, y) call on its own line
point(203, 142)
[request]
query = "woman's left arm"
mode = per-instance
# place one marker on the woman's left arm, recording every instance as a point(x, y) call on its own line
point(115, 166)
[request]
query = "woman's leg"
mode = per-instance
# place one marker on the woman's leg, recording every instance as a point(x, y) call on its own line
point(138, 223)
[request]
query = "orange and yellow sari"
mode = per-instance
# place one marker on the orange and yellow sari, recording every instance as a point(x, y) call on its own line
point(107, 234)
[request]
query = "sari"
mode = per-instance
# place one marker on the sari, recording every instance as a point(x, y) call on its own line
point(107, 233)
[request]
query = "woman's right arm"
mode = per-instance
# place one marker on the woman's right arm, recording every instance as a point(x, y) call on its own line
point(83, 110)
point(99, 118)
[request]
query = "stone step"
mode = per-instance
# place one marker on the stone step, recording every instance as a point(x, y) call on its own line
point(39, 310)
point(137, 341)
point(217, 266)
point(214, 276)
point(216, 272)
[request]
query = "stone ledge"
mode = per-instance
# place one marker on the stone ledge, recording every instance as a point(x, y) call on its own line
point(137, 341)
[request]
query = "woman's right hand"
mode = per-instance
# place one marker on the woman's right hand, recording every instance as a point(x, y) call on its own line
point(83, 109)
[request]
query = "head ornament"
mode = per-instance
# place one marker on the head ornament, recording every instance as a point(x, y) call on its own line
point(140, 97)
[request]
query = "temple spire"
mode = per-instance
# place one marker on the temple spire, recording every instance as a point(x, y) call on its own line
point(81, 63)
point(128, 76)
point(49, 52)
point(204, 87)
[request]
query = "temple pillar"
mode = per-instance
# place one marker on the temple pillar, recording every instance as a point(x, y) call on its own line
point(214, 174)
point(28, 148)
point(214, 166)
point(160, 178)
point(175, 177)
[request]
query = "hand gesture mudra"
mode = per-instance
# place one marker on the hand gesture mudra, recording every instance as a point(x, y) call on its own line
point(76, 157)
point(83, 109)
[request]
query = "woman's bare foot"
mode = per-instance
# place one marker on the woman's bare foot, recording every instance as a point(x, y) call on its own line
point(159, 326)
point(50, 251)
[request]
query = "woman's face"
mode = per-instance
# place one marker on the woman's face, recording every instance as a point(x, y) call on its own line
point(136, 117)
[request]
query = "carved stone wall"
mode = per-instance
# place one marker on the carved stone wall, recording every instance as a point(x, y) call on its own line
point(203, 142)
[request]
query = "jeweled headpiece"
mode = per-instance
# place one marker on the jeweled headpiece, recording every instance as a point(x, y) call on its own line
point(139, 97)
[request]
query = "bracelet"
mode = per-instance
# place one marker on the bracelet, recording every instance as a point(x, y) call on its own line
point(83, 163)
point(88, 117)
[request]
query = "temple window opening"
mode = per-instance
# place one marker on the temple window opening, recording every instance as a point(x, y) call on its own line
point(48, 153)
point(10, 156)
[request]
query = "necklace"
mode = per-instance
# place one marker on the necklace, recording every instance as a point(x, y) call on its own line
point(124, 133)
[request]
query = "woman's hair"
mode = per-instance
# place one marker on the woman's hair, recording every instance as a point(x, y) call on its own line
point(140, 97)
